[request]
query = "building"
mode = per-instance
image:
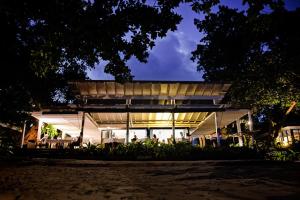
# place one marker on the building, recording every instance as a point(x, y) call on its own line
point(288, 135)
point(107, 111)
point(290, 132)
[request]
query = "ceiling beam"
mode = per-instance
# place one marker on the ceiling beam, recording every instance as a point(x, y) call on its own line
point(156, 97)
point(149, 109)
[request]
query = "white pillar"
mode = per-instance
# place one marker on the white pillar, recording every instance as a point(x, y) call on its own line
point(287, 136)
point(173, 120)
point(40, 123)
point(63, 134)
point(217, 130)
point(239, 132)
point(128, 103)
point(250, 123)
point(82, 128)
point(23, 134)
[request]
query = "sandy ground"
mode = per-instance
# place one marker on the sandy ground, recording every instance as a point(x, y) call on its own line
point(71, 179)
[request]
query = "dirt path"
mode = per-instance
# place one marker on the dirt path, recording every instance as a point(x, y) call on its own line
point(150, 180)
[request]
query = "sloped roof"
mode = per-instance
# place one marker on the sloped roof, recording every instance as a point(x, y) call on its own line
point(153, 89)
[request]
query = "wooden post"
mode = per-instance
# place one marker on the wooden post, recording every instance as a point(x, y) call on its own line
point(173, 126)
point(82, 129)
point(23, 134)
point(127, 128)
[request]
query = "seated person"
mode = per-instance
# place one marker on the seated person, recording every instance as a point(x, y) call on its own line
point(154, 139)
point(134, 139)
point(75, 143)
point(44, 138)
point(43, 141)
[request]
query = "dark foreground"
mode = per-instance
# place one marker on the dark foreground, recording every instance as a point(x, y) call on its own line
point(71, 179)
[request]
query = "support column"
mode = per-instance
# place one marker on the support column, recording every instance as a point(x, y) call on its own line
point(128, 103)
point(39, 131)
point(63, 135)
point(280, 135)
point(287, 136)
point(250, 123)
point(239, 132)
point(23, 133)
point(217, 130)
point(292, 136)
point(173, 126)
point(173, 120)
point(82, 129)
point(148, 132)
point(101, 136)
point(127, 128)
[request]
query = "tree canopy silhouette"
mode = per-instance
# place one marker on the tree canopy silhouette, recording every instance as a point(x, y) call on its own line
point(44, 44)
point(257, 50)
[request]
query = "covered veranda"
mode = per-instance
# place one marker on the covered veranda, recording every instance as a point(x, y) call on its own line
point(107, 111)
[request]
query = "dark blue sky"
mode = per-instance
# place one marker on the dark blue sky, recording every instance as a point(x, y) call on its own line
point(170, 58)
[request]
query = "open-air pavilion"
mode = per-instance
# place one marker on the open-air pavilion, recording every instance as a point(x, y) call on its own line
point(107, 111)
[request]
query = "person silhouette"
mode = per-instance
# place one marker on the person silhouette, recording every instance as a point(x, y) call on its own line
point(154, 139)
point(134, 139)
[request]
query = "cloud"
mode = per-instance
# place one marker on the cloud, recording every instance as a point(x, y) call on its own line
point(170, 58)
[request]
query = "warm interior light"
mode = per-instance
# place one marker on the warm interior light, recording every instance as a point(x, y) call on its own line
point(159, 116)
point(285, 142)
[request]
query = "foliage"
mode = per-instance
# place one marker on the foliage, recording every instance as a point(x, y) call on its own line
point(296, 146)
point(282, 155)
point(9, 138)
point(139, 151)
point(45, 44)
point(257, 52)
point(154, 151)
point(161, 151)
point(50, 130)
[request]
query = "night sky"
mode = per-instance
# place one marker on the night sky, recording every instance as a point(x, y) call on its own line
point(170, 58)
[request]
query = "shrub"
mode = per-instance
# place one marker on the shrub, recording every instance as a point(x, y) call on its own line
point(178, 151)
point(148, 151)
point(282, 155)
point(9, 138)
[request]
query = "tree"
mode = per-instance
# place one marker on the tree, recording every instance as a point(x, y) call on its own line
point(45, 44)
point(258, 52)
